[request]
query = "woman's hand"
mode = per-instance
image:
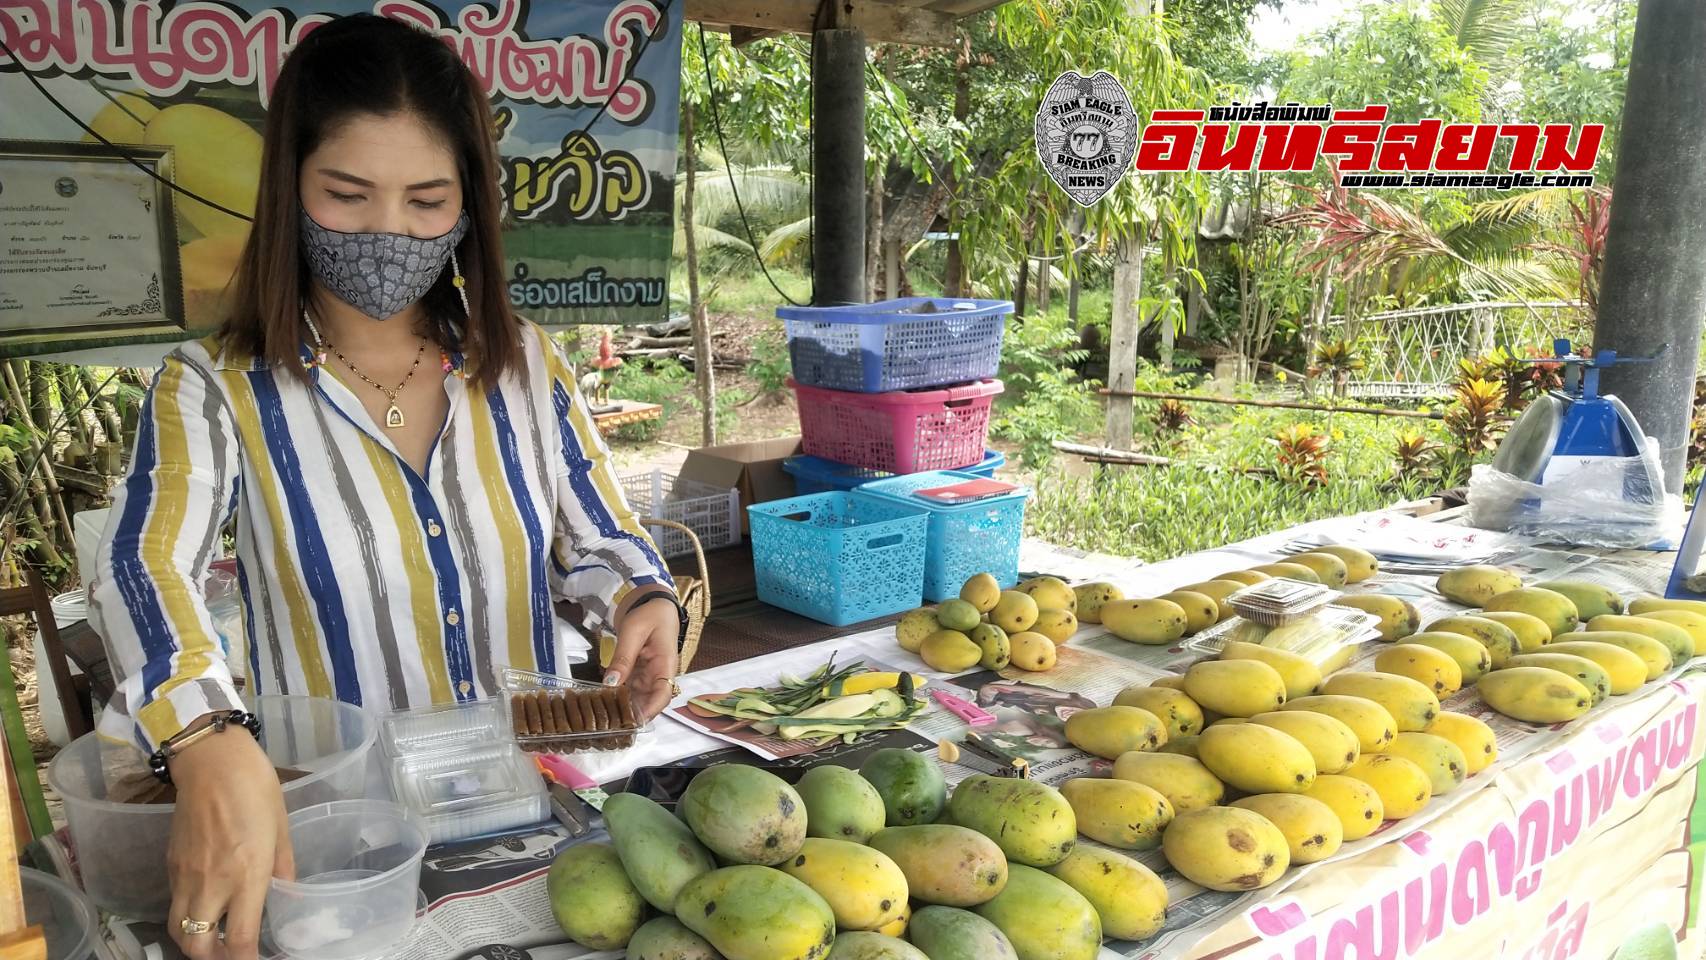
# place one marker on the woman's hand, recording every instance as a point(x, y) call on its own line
point(646, 656)
point(229, 839)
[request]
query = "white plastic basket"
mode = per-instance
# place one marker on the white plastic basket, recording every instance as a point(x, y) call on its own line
point(712, 514)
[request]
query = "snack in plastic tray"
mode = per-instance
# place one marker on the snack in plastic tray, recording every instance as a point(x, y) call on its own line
point(1278, 601)
point(1319, 636)
point(550, 714)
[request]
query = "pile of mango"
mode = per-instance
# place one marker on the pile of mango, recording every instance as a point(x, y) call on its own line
point(988, 627)
point(882, 863)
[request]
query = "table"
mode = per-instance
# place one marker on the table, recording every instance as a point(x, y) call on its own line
point(627, 413)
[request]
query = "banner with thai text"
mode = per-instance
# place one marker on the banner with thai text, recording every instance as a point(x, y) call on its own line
point(585, 96)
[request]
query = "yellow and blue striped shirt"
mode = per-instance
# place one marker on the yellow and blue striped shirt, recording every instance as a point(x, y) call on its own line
point(361, 579)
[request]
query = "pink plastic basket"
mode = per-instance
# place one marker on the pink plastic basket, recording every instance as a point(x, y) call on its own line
point(901, 432)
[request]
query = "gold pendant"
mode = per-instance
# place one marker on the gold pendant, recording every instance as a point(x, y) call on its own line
point(393, 416)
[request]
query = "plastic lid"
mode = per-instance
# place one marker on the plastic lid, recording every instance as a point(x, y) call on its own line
point(1528, 444)
point(67, 917)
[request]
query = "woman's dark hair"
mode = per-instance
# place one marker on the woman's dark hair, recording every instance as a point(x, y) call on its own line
point(366, 64)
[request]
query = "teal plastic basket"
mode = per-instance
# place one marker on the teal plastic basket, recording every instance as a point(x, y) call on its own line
point(839, 558)
point(965, 539)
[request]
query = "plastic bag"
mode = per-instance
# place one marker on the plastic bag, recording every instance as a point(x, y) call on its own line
point(1596, 502)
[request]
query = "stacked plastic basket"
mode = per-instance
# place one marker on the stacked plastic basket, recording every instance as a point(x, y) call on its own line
point(901, 388)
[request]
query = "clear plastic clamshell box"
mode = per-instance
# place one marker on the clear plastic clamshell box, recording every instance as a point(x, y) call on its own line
point(454, 766)
point(550, 714)
point(1327, 635)
point(1279, 601)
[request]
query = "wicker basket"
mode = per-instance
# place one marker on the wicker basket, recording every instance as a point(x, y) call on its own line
point(693, 592)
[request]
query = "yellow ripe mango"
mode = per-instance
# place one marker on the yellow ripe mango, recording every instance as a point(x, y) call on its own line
point(1330, 743)
point(1625, 670)
point(1178, 712)
point(1286, 570)
point(897, 927)
point(1410, 703)
point(1430, 667)
point(1534, 694)
point(864, 888)
point(914, 627)
point(1043, 917)
point(1676, 639)
point(1120, 813)
point(1299, 674)
point(1108, 732)
point(1480, 747)
point(1089, 598)
point(1591, 599)
point(1235, 688)
point(1256, 758)
point(1031, 651)
point(1128, 896)
point(1327, 568)
point(1652, 653)
point(1694, 623)
point(1404, 789)
point(1642, 606)
point(1475, 584)
point(1438, 757)
point(1398, 618)
point(1500, 640)
point(1531, 632)
point(1359, 563)
point(1554, 609)
point(1057, 625)
point(1144, 621)
point(1217, 590)
point(1371, 722)
point(1170, 682)
point(1183, 780)
point(1354, 802)
point(950, 865)
point(1311, 829)
point(982, 591)
point(950, 651)
point(1226, 848)
point(1248, 578)
point(1585, 671)
point(1472, 658)
point(1050, 593)
point(1014, 612)
point(1201, 611)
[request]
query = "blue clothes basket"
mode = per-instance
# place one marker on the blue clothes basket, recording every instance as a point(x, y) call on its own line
point(967, 539)
point(905, 344)
point(839, 558)
point(817, 475)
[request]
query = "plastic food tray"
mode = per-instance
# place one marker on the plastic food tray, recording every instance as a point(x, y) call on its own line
point(1279, 601)
point(544, 713)
point(453, 767)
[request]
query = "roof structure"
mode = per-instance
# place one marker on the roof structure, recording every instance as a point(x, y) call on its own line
point(926, 23)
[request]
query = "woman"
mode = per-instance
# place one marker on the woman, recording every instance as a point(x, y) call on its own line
point(412, 476)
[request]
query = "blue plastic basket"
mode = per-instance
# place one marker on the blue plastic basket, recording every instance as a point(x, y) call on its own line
point(839, 558)
point(967, 539)
point(903, 344)
point(817, 475)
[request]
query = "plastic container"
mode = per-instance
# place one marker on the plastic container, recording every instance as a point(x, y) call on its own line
point(902, 432)
point(839, 558)
point(358, 868)
point(451, 767)
point(817, 475)
point(68, 920)
point(712, 514)
point(121, 847)
point(544, 713)
point(965, 539)
point(895, 344)
point(1272, 603)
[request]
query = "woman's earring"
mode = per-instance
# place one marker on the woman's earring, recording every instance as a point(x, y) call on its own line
point(461, 284)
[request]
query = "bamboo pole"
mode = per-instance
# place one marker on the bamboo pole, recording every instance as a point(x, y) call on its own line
point(54, 505)
point(1275, 404)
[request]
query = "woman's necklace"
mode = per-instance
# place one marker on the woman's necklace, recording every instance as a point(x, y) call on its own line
point(393, 414)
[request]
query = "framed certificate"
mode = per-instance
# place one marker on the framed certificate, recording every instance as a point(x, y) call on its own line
point(88, 242)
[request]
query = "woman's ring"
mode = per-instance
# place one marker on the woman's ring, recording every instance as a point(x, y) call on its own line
point(195, 928)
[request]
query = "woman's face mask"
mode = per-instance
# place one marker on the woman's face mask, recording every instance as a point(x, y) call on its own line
point(379, 274)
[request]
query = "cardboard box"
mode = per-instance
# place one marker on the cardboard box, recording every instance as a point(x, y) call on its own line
point(754, 469)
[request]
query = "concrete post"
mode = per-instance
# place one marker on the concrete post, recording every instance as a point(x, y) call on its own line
point(838, 160)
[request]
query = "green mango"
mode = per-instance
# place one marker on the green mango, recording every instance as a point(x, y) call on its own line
point(949, 933)
point(911, 785)
point(943, 863)
point(659, 852)
point(1031, 822)
point(840, 804)
point(755, 913)
point(1044, 918)
point(744, 814)
point(665, 938)
point(864, 945)
point(591, 897)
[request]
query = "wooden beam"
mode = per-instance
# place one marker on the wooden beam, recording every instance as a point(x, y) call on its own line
point(880, 22)
point(1273, 404)
point(741, 36)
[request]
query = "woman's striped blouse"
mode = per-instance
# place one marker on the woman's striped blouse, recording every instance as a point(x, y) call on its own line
point(361, 579)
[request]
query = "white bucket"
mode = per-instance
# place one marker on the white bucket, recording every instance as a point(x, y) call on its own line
point(68, 608)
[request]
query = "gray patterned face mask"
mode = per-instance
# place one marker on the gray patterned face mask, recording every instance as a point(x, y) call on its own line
point(377, 273)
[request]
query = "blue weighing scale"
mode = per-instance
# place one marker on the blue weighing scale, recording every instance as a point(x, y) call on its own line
point(1565, 430)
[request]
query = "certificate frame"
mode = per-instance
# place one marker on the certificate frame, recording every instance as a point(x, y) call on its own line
point(161, 309)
